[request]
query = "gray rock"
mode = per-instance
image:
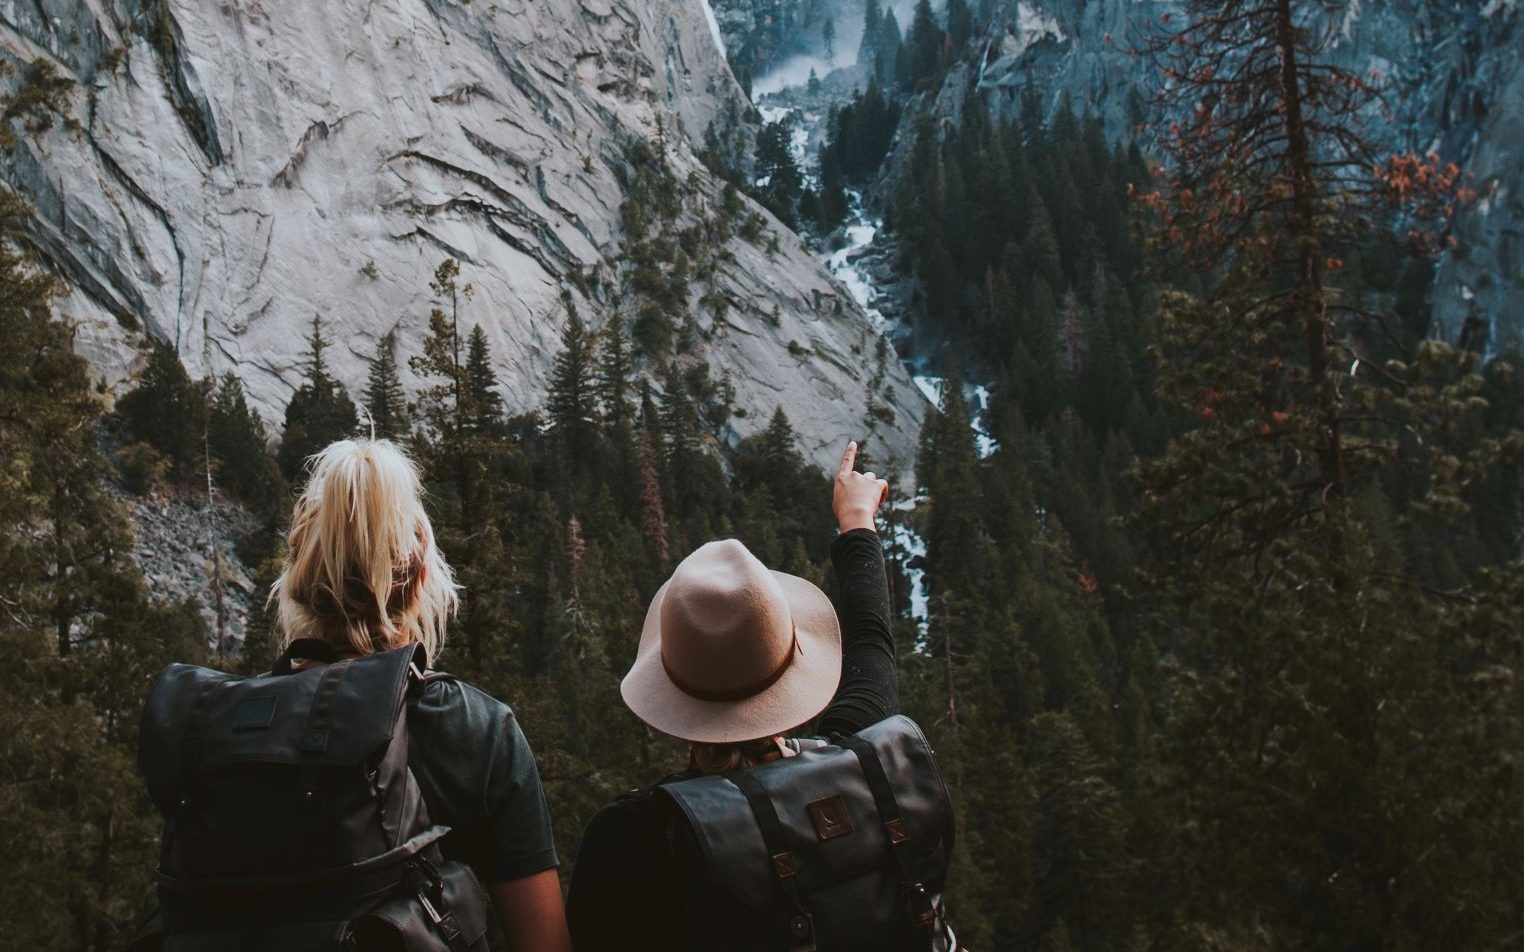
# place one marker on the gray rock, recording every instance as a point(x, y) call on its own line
point(233, 177)
point(174, 538)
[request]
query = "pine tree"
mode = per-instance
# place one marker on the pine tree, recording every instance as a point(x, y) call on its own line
point(777, 170)
point(960, 22)
point(613, 375)
point(167, 410)
point(1079, 843)
point(443, 401)
point(1040, 246)
point(464, 449)
point(923, 47)
point(888, 50)
point(1310, 644)
point(237, 440)
point(79, 633)
point(320, 411)
point(778, 443)
point(484, 407)
point(1073, 345)
point(867, 47)
point(653, 506)
point(385, 402)
point(572, 401)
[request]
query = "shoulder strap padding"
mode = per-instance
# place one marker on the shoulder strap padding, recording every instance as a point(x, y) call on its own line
point(810, 792)
point(197, 719)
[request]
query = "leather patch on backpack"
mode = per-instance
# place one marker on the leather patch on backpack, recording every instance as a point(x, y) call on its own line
point(254, 714)
point(830, 817)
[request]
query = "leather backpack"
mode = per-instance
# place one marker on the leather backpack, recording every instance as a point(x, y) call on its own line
point(840, 848)
point(291, 819)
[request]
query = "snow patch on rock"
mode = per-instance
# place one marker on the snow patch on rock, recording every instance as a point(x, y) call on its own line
point(714, 27)
point(1034, 26)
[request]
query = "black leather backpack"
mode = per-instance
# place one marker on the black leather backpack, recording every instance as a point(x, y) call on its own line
point(291, 819)
point(841, 847)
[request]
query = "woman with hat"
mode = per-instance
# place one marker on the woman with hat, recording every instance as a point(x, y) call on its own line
point(733, 657)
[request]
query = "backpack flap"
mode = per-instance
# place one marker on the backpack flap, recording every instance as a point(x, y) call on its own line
point(733, 853)
point(162, 730)
point(197, 719)
point(826, 807)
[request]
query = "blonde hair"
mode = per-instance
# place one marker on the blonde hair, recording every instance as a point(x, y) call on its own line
point(362, 570)
point(711, 759)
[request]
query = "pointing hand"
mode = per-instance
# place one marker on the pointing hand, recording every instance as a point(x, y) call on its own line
point(858, 495)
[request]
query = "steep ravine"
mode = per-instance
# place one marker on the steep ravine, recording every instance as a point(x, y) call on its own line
point(1450, 75)
point(860, 254)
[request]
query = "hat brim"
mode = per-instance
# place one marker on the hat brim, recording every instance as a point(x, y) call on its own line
point(803, 690)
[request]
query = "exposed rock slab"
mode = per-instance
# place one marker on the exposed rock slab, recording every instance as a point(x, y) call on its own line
point(239, 167)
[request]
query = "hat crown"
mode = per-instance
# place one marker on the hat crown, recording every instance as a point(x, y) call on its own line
point(726, 628)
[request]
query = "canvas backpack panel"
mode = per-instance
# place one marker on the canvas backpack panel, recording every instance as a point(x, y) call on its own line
point(843, 847)
point(291, 818)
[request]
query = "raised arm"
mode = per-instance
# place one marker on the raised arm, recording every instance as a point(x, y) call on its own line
point(869, 689)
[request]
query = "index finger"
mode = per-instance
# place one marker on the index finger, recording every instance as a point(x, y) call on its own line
point(848, 459)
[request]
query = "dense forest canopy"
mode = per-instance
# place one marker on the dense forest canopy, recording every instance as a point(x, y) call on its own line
point(1223, 635)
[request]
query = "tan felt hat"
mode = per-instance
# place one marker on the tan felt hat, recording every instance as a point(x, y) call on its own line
point(732, 651)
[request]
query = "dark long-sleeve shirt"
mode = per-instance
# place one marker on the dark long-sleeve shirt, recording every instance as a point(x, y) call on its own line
point(870, 686)
point(625, 885)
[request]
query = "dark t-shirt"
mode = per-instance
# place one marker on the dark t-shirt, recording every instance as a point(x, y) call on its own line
point(625, 888)
point(478, 777)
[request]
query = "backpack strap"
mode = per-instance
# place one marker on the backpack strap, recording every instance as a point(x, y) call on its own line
point(419, 679)
point(185, 804)
point(801, 926)
point(312, 649)
point(315, 736)
point(922, 910)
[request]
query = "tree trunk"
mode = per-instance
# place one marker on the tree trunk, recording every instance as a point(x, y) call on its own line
point(103, 881)
point(61, 614)
point(1307, 300)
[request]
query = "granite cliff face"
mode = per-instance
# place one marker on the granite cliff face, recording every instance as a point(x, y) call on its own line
point(228, 170)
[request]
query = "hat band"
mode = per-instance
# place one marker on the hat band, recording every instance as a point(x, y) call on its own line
point(735, 694)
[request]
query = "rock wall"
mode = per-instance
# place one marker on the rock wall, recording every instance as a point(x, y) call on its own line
point(230, 169)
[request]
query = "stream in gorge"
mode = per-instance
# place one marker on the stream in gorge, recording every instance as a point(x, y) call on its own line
point(860, 255)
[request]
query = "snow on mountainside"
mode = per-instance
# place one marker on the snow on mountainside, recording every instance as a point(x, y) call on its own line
point(233, 168)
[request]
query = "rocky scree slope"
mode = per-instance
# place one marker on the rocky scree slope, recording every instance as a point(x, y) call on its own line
point(228, 170)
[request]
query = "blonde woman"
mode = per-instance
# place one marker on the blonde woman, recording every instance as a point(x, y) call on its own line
point(364, 575)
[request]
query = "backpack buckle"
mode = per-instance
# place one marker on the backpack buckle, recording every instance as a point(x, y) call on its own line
point(427, 882)
point(428, 907)
point(922, 910)
point(801, 928)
